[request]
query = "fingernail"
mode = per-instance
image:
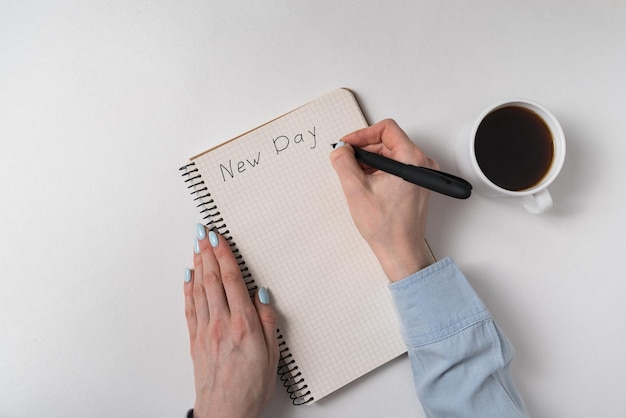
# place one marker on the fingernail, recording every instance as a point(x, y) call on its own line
point(187, 275)
point(201, 231)
point(264, 296)
point(196, 246)
point(213, 239)
point(339, 144)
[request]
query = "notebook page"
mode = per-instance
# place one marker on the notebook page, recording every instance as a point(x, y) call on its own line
point(283, 206)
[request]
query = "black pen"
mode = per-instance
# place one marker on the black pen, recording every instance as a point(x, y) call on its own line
point(434, 180)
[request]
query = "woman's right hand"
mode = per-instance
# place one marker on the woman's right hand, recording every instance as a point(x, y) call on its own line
point(389, 212)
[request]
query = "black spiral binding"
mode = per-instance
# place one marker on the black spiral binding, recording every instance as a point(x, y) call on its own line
point(287, 369)
point(290, 375)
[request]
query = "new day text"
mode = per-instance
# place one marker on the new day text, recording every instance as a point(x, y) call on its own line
point(279, 144)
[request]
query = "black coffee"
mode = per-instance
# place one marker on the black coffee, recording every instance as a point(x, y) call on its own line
point(514, 148)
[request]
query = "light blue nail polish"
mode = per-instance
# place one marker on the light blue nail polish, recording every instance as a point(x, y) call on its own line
point(187, 275)
point(213, 239)
point(264, 296)
point(339, 144)
point(196, 246)
point(201, 231)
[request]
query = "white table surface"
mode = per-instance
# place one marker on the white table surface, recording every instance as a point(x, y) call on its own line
point(101, 102)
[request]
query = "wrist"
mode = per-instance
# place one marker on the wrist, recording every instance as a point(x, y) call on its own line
point(398, 265)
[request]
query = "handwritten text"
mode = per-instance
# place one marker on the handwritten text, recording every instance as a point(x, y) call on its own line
point(281, 143)
point(240, 166)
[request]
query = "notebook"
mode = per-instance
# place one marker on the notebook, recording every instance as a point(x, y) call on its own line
point(274, 194)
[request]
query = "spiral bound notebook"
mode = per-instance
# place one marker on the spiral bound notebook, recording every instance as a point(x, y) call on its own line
point(274, 194)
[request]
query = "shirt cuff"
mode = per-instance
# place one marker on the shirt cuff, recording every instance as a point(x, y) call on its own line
point(435, 303)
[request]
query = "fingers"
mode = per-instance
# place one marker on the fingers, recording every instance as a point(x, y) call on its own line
point(219, 277)
point(190, 308)
point(350, 173)
point(388, 139)
point(211, 276)
point(267, 316)
point(232, 282)
point(386, 132)
point(199, 295)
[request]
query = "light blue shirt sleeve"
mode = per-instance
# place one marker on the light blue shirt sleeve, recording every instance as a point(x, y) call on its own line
point(459, 357)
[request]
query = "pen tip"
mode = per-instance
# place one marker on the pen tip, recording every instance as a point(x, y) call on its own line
point(334, 144)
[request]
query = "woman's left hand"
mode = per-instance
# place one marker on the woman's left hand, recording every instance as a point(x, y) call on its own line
point(233, 339)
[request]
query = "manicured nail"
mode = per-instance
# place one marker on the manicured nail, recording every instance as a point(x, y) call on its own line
point(339, 144)
point(196, 246)
point(264, 297)
point(201, 231)
point(213, 239)
point(187, 275)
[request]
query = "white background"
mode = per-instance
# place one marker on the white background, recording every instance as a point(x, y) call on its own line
point(102, 101)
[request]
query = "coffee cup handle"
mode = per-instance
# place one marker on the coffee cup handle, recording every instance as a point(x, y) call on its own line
point(538, 202)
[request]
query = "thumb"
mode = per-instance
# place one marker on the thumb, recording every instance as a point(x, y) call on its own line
point(350, 174)
point(267, 317)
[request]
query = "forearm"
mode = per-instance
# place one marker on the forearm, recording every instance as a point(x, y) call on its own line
point(459, 357)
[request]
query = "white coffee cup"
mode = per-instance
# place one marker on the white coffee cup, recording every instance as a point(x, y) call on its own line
point(489, 176)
